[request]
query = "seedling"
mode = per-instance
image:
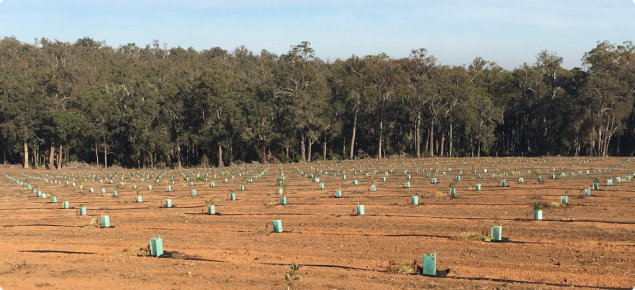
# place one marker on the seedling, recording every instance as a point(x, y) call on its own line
point(538, 206)
point(291, 275)
point(284, 185)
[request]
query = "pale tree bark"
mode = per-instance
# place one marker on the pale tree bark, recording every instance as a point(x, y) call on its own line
point(418, 135)
point(264, 152)
point(427, 143)
point(35, 158)
point(302, 147)
point(52, 158)
point(478, 149)
point(381, 136)
point(231, 153)
point(105, 158)
point(431, 134)
point(178, 154)
point(324, 148)
point(308, 149)
point(220, 157)
point(96, 155)
point(353, 137)
point(26, 155)
point(441, 152)
point(450, 150)
point(59, 158)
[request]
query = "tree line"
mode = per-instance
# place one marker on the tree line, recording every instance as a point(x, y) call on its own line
point(156, 106)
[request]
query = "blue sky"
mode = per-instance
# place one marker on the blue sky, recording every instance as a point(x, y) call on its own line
point(509, 32)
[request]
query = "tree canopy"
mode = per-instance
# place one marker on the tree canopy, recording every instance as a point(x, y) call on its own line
point(157, 106)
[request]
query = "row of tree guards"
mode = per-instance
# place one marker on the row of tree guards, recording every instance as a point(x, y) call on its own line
point(372, 188)
point(320, 175)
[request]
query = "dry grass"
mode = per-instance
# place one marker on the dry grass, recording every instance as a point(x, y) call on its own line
point(131, 252)
point(81, 224)
point(471, 236)
point(556, 204)
point(405, 267)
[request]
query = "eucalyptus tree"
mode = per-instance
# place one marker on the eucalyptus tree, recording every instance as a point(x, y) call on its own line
point(301, 91)
point(457, 87)
point(384, 76)
point(335, 116)
point(19, 90)
point(57, 79)
point(354, 78)
point(212, 105)
point(484, 113)
point(417, 89)
point(609, 85)
point(253, 87)
point(439, 91)
point(185, 70)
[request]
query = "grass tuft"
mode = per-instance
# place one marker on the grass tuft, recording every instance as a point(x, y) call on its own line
point(471, 236)
point(405, 267)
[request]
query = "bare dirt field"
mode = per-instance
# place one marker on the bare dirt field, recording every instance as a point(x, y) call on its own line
point(589, 243)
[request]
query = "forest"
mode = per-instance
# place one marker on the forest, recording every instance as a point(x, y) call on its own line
point(158, 106)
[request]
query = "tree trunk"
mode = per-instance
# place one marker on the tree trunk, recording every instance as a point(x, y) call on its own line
point(105, 158)
point(478, 149)
point(302, 148)
point(353, 137)
point(264, 152)
point(231, 154)
point(178, 154)
point(427, 142)
point(418, 135)
point(52, 157)
point(220, 157)
point(450, 149)
point(309, 157)
point(26, 155)
point(472, 142)
point(35, 158)
point(59, 158)
point(381, 135)
point(324, 148)
point(441, 149)
point(599, 150)
point(431, 137)
point(96, 155)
